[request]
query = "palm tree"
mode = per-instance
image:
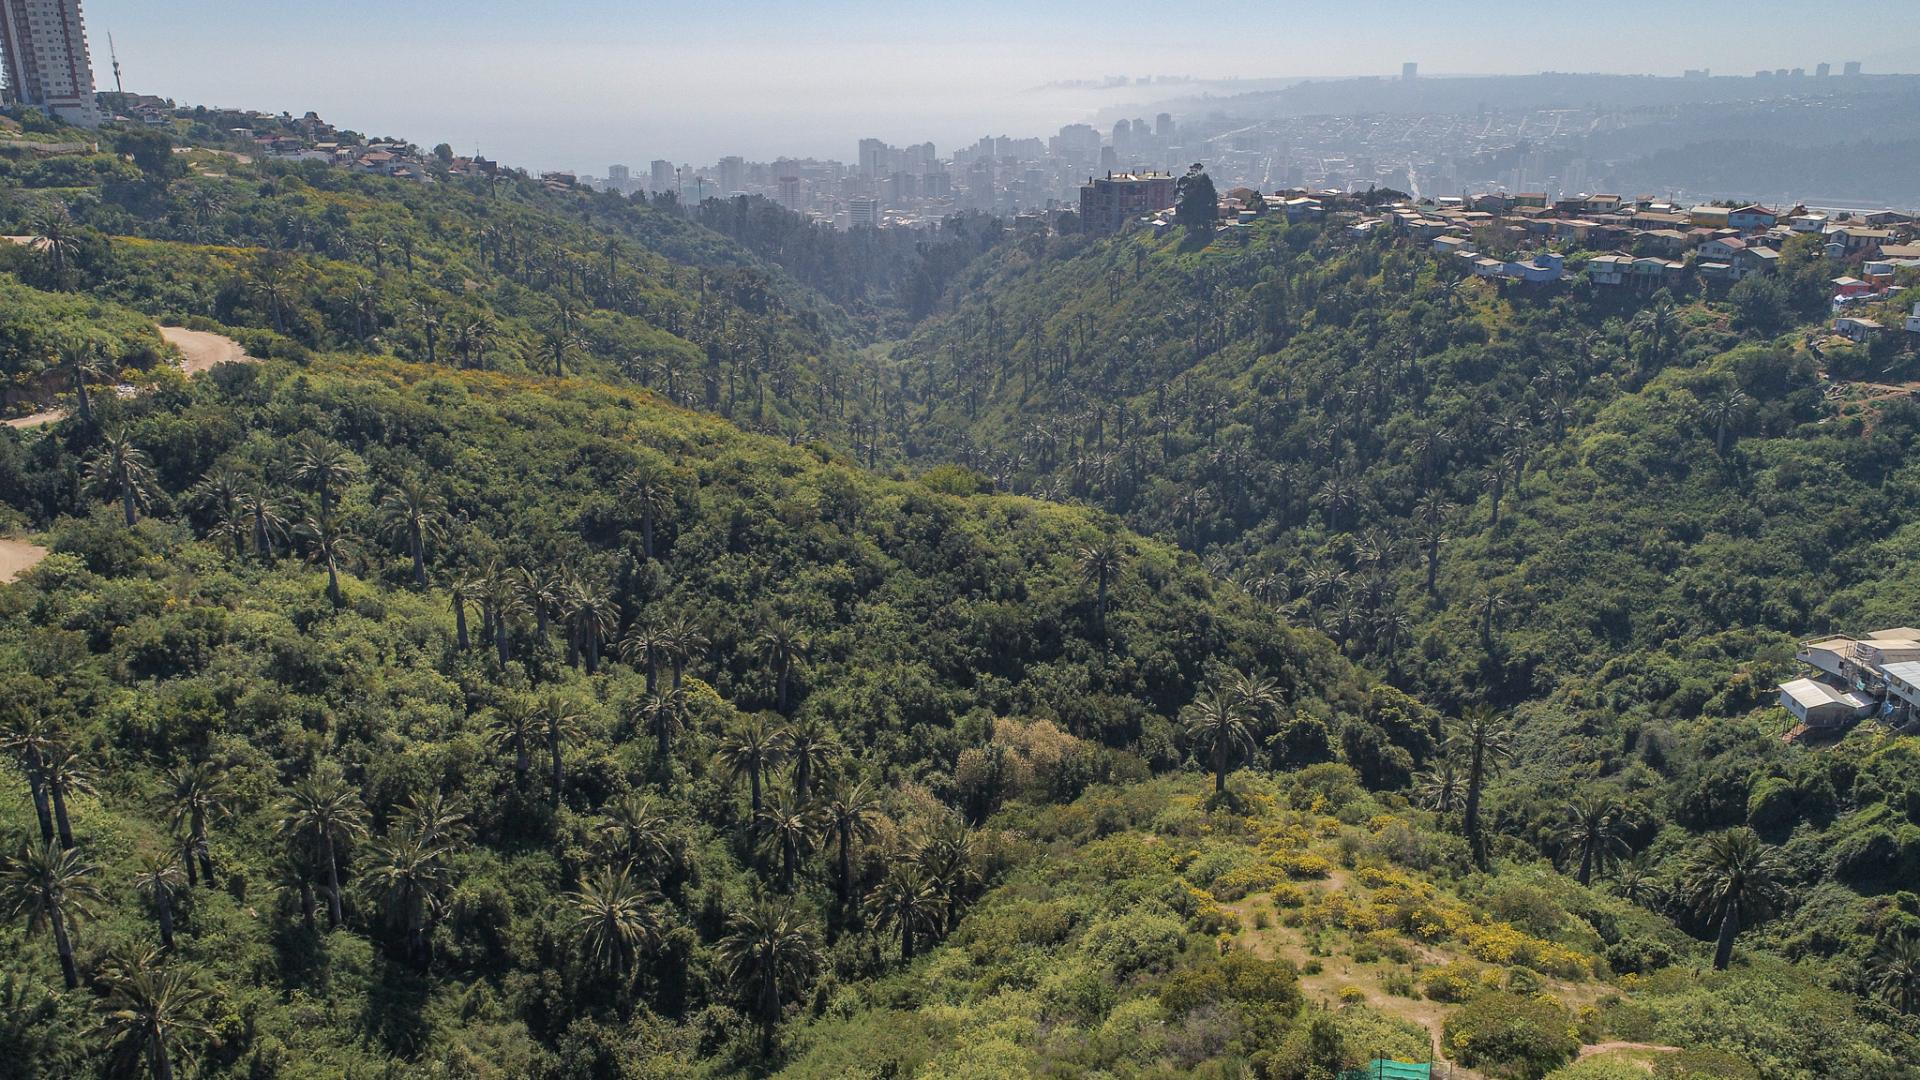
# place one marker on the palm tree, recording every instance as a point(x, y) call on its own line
point(1439, 788)
point(769, 951)
point(323, 465)
point(1218, 724)
point(811, 747)
point(515, 725)
point(1894, 973)
point(1593, 828)
point(663, 714)
point(561, 716)
point(120, 470)
point(615, 920)
point(264, 522)
point(749, 749)
point(35, 737)
point(325, 810)
point(1100, 563)
point(197, 793)
point(790, 828)
point(1485, 738)
point(160, 879)
point(591, 618)
point(950, 865)
point(646, 644)
point(52, 887)
point(145, 1008)
point(220, 492)
point(684, 643)
point(1721, 411)
point(1636, 882)
point(81, 359)
point(634, 833)
point(412, 515)
point(906, 900)
point(65, 777)
point(1734, 878)
point(849, 815)
point(649, 490)
point(56, 238)
point(327, 545)
point(782, 646)
point(410, 874)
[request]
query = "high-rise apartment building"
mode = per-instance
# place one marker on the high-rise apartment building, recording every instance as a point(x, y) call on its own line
point(863, 211)
point(45, 47)
point(789, 194)
point(660, 177)
point(1108, 205)
point(619, 178)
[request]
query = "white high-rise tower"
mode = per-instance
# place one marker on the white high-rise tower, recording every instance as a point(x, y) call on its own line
point(44, 44)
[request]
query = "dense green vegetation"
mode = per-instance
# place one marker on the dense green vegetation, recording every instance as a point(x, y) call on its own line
point(463, 689)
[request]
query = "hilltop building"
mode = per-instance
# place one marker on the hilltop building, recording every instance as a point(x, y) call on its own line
point(44, 43)
point(1108, 204)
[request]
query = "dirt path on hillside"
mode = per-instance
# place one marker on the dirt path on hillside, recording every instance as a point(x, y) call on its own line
point(199, 350)
point(204, 351)
point(17, 557)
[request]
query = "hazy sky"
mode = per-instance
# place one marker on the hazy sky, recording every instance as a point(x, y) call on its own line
point(580, 83)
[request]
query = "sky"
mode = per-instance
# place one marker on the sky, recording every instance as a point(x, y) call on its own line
point(579, 84)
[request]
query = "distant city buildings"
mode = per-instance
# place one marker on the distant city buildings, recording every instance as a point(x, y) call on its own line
point(1409, 71)
point(44, 44)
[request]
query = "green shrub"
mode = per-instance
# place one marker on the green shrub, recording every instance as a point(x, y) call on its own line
point(1511, 1037)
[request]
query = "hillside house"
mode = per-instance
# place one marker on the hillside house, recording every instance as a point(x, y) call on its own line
point(1913, 320)
point(1853, 678)
point(1609, 269)
point(1709, 217)
point(1846, 288)
point(1722, 248)
point(1754, 260)
point(1857, 329)
point(1751, 219)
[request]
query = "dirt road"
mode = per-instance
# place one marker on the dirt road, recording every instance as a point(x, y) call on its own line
point(17, 557)
point(200, 351)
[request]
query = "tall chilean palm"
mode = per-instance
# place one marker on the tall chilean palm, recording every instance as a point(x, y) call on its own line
point(849, 815)
point(146, 1008)
point(633, 833)
point(66, 777)
point(664, 714)
point(1735, 879)
point(515, 726)
point(54, 888)
point(264, 523)
point(907, 901)
point(411, 515)
point(591, 618)
point(685, 643)
point(615, 920)
point(327, 812)
point(1894, 973)
point(1219, 726)
point(1099, 564)
point(769, 951)
point(57, 239)
point(645, 645)
point(749, 749)
point(952, 867)
point(33, 735)
point(560, 715)
point(323, 467)
point(328, 545)
point(1484, 737)
point(811, 748)
point(649, 492)
point(790, 828)
point(160, 880)
point(409, 871)
point(1594, 822)
point(219, 493)
point(197, 794)
point(120, 470)
point(783, 647)
point(80, 357)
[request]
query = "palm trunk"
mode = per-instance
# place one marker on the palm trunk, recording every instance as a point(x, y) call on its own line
point(906, 940)
point(522, 763)
point(1586, 864)
point(41, 807)
point(60, 817)
point(500, 638)
point(306, 904)
point(844, 884)
point(163, 900)
point(1729, 929)
point(157, 1056)
point(419, 560)
point(460, 623)
point(333, 584)
point(1470, 820)
point(553, 745)
point(126, 504)
point(1219, 769)
point(786, 865)
point(753, 779)
point(65, 945)
point(335, 916)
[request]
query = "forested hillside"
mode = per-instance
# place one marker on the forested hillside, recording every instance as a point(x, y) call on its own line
point(579, 648)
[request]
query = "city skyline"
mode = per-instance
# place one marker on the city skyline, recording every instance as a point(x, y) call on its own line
point(586, 82)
